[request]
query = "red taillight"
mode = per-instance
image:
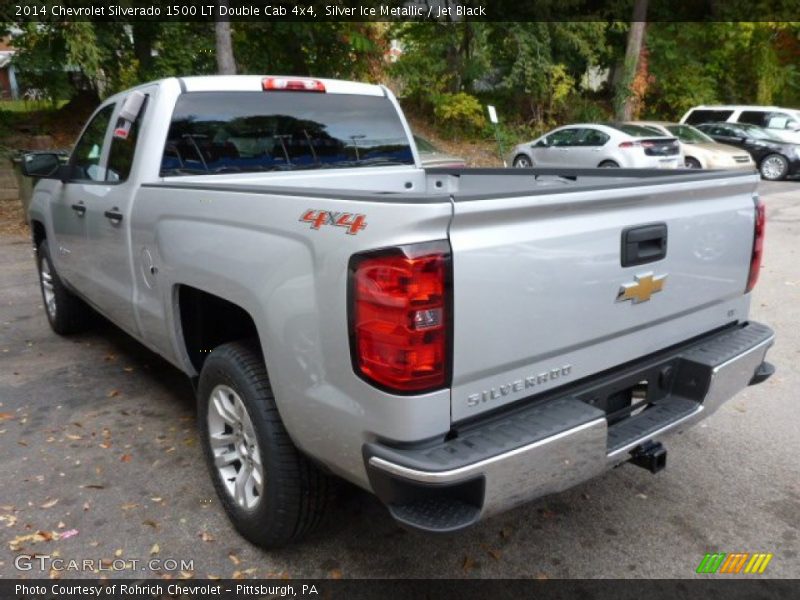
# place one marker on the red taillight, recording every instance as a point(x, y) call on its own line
point(284, 84)
point(629, 144)
point(758, 246)
point(400, 317)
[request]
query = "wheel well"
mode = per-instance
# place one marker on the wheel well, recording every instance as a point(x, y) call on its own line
point(38, 232)
point(208, 321)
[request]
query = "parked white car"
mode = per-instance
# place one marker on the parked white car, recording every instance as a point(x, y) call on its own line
point(600, 145)
point(783, 123)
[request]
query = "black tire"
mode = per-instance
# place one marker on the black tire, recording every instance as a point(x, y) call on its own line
point(67, 313)
point(692, 163)
point(608, 164)
point(521, 161)
point(774, 167)
point(296, 493)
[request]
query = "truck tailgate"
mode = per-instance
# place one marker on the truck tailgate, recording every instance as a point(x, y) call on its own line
point(541, 297)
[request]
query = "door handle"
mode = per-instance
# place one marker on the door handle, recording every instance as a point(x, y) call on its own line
point(79, 208)
point(113, 215)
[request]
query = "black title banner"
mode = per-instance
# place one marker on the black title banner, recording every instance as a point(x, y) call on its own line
point(396, 10)
point(463, 589)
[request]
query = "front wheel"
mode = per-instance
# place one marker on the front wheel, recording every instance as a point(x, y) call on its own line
point(272, 493)
point(523, 162)
point(774, 167)
point(66, 313)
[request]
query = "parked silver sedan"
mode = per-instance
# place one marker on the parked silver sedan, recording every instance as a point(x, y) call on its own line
point(588, 145)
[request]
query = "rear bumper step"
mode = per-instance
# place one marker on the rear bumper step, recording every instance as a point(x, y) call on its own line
point(546, 447)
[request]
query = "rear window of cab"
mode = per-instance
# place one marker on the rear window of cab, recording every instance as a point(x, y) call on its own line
point(230, 132)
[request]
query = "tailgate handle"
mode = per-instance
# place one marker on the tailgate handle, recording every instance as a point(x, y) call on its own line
point(644, 244)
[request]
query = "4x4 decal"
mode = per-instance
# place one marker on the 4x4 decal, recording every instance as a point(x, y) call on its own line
point(352, 222)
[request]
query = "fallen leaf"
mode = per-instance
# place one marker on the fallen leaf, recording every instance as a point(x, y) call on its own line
point(150, 523)
point(118, 552)
point(5, 416)
point(74, 437)
point(234, 559)
point(68, 534)
point(505, 532)
point(156, 499)
point(495, 554)
point(112, 394)
point(39, 536)
point(105, 445)
point(468, 564)
point(9, 520)
point(641, 496)
point(214, 577)
point(125, 458)
point(334, 574)
point(60, 525)
point(86, 506)
point(547, 513)
point(542, 576)
point(129, 506)
point(128, 369)
point(186, 575)
point(94, 486)
point(155, 550)
point(49, 503)
point(206, 537)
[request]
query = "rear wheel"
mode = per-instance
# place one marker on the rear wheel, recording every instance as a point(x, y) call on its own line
point(608, 164)
point(65, 312)
point(692, 163)
point(272, 493)
point(523, 162)
point(774, 167)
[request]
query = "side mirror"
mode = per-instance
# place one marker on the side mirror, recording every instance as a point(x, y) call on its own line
point(42, 165)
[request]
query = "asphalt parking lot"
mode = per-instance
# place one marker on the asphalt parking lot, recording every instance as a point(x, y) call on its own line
point(99, 460)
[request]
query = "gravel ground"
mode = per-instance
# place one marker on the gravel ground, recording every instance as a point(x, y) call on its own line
point(99, 455)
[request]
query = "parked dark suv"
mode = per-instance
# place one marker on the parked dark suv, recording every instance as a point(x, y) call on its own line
point(776, 159)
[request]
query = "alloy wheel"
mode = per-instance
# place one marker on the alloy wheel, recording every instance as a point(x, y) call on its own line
point(233, 442)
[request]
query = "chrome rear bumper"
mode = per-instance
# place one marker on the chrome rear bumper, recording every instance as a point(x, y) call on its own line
point(553, 445)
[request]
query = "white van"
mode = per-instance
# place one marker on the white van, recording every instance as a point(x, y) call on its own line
point(784, 122)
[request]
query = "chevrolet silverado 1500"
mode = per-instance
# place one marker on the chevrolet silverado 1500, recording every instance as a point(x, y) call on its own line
point(456, 341)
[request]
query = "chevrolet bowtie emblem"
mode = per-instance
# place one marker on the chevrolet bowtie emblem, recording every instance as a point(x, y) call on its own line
point(640, 290)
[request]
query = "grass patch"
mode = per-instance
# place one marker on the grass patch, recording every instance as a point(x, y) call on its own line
point(26, 106)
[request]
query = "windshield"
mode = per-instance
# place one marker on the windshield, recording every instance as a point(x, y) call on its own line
point(689, 134)
point(757, 132)
point(229, 132)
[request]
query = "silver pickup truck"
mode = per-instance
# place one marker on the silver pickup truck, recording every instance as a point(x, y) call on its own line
point(456, 341)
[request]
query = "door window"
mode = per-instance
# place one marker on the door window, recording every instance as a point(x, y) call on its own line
point(123, 146)
point(86, 156)
point(564, 137)
point(707, 116)
point(593, 138)
point(753, 117)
